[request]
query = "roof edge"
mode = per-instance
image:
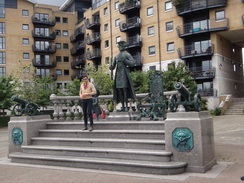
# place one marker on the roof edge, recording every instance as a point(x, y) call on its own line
point(31, 1)
point(66, 3)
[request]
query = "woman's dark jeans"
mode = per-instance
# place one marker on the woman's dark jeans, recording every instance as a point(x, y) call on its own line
point(87, 110)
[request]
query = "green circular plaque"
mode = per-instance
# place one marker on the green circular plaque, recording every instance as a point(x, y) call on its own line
point(17, 136)
point(182, 139)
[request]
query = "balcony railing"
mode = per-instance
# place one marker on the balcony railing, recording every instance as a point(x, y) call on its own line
point(53, 76)
point(79, 33)
point(92, 22)
point(189, 6)
point(51, 36)
point(44, 63)
point(138, 59)
point(95, 53)
point(79, 60)
point(43, 21)
point(190, 51)
point(49, 49)
point(79, 46)
point(130, 24)
point(129, 5)
point(207, 92)
point(200, 73)
point(203, 26)
point(77, 75)
point(93, 39)
point(134, 41)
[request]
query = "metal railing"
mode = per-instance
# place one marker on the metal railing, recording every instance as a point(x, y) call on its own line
point(138, 59)
point(78, 32)
point(44, 63)
point(95, 53)
point(51, 36)
point(80, 45)
point(189, 5)
point(129, 5)
point(208, 25)
point(77, 75)
point(94, 38)
point(130, 23)
point(207, 92)
point(200, 73)
point(44, 21)
point(134, 41)
point(79, 60)
point(91, 22)
point(47, 49)
point(191, 51)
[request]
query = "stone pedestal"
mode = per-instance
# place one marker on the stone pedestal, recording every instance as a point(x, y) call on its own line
point(121, 116)
point(190, 136)
point(21, 129)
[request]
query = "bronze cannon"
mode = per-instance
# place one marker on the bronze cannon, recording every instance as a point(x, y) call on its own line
point(24, 107)
point(191, 102)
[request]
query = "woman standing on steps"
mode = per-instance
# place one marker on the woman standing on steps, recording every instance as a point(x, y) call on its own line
point(87, 89)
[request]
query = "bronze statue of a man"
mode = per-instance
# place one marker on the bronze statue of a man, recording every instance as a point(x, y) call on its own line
point(123, 87)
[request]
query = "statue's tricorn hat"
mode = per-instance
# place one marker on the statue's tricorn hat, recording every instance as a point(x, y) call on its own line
point(122, 43)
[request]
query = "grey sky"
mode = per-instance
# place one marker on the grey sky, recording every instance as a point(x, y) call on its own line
point(51, 2)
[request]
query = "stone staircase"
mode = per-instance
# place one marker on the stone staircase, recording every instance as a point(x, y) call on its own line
point(236, 107)
point(127, 146)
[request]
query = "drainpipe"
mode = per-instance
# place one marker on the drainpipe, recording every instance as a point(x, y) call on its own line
point(159, 45)
point(111, 37)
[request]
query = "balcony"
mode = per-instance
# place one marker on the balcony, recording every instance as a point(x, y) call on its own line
point(79, 60)
point(190, 51)
point(203, 26)
point(43, 21)
point(200, 73)
point(129, 6)
point(78, 48)
point(78, 34)
point(138, 59)
point(53, 76)
point(92, 23)
point(77, 75)
point(130, 24)
point(207, 92)
point(134, 41)
point(196, 5)
point(44, 63)
point(95, 38)
point(47, 49)
point(94, 54)
point(51, 36)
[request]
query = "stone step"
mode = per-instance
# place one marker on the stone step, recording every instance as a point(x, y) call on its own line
point(125, 125)
point(101, 142)
point(99, 152)
point(122, 134)
point(135, 166)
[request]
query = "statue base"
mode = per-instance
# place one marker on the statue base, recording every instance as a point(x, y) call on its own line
point(121, 116)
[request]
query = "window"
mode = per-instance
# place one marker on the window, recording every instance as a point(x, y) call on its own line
point(106, 44)
point(25, 41)
point(219, 15)
point(105, 27)
point(25, 27)
point(170, 47)
point(66, 72)
point(25, 13)
point(118, 39)
point(42, 17)
point(2, 27)
point(58, 58)
point(151, 50)
point(65, 46)
point(2, 43)
point(107, 60)
point(59, 85)
point(168, 6)
point(41, 31)
point(2, 58)
point(26, 56)
point(116, 5)
point(58, 45)
point(2, 72)
point(59, 72)
point(66, 59)
point(152, 68)
point(169, 26)
point(58, 32)
point(42, 45)
point(105, 11)
point(65, 33)
point(65, 20)
point(26, 70)
point(42, 72)
point(150, 11)
point(151, 30)
point(117, 21)
point(57, 19)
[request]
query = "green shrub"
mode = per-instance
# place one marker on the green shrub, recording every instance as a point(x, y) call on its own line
point(204, 104)
point(215, 112)
point(4, 121)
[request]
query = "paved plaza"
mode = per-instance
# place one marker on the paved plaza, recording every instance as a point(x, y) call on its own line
point(229, 147)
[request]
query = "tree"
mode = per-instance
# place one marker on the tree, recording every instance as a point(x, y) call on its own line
point(140, 81)
point(72, 89)
point(178, 73)
point(7, 86)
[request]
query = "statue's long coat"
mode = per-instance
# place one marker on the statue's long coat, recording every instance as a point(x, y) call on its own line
point(122, 60)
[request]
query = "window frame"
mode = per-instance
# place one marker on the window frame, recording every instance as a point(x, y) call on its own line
point(148, 11)
point(27, 43)
point(65, 20)
point(166, 26)
point(2, 58)
point(106, 26)
point(65, 32)
point(148, 31)
point(65, 46)
point(2, 28)
point(167, 2)
point(25, 15)
point(117, 22)
point(25, 25)
point(216, 15)
point(26, 54)
point(116, 5)
point(150, 53)
point(168, 46)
